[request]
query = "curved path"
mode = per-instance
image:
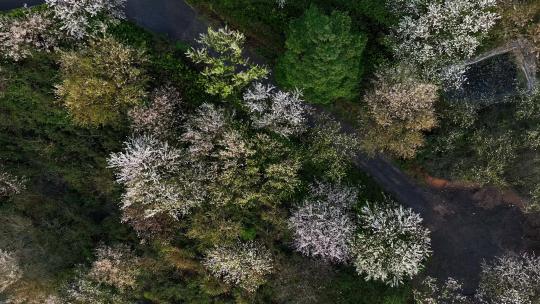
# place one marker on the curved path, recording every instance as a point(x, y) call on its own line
point(465, 231)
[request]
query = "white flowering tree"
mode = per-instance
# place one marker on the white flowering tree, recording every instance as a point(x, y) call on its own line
point(226, 69)
point(76, 17)
point(431, 292)
point(43, 30)
point(9, 184)
point(322, 224)
point(212, 138)
point(161, 116)
point(158, 179)
point(84, 290)
point(244, 264)
point(21, 36)
point(510, 279)
point(437, 36)
point(115, 266)
point(391, 244)
point(281, 112)
point(202, 130)
point(10, 272)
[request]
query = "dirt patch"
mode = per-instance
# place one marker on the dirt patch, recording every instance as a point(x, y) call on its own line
point(491, 197)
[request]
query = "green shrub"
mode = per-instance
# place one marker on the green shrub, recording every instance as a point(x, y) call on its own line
point(322, 57)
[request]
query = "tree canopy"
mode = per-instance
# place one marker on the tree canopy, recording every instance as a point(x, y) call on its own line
point(323, 57)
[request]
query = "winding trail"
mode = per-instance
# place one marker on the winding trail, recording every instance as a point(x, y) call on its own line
point(468, 225)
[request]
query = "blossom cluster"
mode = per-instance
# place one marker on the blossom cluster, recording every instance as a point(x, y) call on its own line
point(243, 264)
point(322, 224)
point(431, 292)
point(438, 35)
point(9, 184)
point(20, 36)
point(160, 117)
point(10, 271)
point(510, 279)
point(75, 16)
point(43, 30)
point(115, 266)
point(281, 112)
point(391, 245)
point(150, 171)
point(398, 97)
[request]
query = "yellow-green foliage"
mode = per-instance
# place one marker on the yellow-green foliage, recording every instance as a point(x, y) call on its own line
point(100, 82)
point(400, 108)
point(226, 69)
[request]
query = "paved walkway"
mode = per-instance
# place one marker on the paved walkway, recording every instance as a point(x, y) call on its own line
point(464, 231)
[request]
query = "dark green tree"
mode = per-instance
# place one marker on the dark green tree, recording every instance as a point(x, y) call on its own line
point(323, 57)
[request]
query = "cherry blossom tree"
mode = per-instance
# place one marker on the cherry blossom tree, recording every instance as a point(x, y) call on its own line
point(391, 245)
point(226, 69)
point(401, 107)
point(159, 180)
point(431, 292)
point(204, 129)
point(76, 16)
point(331, 150)
point(84, 290)
point(281, 112)
point(9, 184)
point(322, 224)
point(115, 266)
point(21, 36)
point(10, 271)
point(160, 117)
point(244, 264)
point(510, 279)
point(437, 36)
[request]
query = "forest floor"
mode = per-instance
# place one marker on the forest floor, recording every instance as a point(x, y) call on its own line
point(468, 224)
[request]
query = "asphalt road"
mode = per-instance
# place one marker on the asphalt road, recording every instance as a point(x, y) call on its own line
point(464, 233)
point(11, 4)
point(174, 18)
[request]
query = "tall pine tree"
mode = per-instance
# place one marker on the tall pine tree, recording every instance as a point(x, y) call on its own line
point(323, 57)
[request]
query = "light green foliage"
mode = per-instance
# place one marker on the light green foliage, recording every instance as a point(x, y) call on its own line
point(322, 58)
point(494, 153)
point(226, 70)
point(246, 199)
point(268, 176)
point(101, 82)
point(329, 151)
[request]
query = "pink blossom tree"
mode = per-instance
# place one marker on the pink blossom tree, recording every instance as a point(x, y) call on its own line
point(322, 225)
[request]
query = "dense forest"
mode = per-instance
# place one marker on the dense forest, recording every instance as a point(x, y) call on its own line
point(233, 167)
